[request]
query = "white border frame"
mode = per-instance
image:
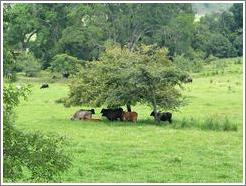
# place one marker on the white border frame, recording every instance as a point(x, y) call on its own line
point(80, 2)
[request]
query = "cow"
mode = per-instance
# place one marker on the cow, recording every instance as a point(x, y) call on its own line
point(113, 114)
point(188, 80)
point(163, 116)
point(130, 116)
point(83, 114)
point(44, 85)
point(65, 74)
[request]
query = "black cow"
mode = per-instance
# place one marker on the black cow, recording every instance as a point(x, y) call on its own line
point(113, 114)
point(44, 85)
point(163, 116)
point(65, 74)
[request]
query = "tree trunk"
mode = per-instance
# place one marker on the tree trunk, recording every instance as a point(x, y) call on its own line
point(128, 106)
point(157, 119)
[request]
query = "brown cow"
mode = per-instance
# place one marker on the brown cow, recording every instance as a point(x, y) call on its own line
point(130, 116)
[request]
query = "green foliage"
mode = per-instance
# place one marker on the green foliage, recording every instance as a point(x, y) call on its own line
point(208, 8)
point(27, 63)
point(184, 63)
point(122, 77)
point(64, 63)
point(178, 40)
point(219, 46)
point(40, 154)
point(220, 34)
point(81, 30)
point(237, 10)
point(9, 64)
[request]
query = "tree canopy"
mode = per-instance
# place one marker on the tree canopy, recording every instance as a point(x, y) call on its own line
point(81, 30)
point(123, 77)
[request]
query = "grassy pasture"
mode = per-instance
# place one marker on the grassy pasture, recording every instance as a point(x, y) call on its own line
point(204, 143)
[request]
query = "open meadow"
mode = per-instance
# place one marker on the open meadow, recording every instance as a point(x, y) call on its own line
point(203, 144)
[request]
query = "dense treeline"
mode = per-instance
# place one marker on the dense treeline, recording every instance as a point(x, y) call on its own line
point(79, 31)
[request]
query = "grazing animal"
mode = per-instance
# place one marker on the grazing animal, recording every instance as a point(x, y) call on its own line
point(65, 74)
point(113, 114)
point(44, 85)
point(83, 114)
point(188, 80)
point(130, 116)
point(163, 116)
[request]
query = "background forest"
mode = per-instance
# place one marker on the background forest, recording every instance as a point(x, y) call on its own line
point(40, 34)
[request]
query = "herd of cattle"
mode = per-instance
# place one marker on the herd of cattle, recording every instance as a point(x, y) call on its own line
point(118, 114)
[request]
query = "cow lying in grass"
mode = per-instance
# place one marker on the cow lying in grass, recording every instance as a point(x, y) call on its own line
point(130, 116)
point(163, 116)
point(83, 114)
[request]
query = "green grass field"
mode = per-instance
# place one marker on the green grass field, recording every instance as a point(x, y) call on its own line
point(201, 145)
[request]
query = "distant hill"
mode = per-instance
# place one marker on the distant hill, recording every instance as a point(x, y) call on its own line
point(207, 8)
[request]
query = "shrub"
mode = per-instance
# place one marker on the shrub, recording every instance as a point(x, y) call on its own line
point(186, 64)
point(27, 63)
point(41, 155)
point(210, 58)
point(64, 63)
point(9, 64)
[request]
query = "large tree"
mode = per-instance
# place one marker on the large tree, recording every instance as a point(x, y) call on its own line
point(122, 77)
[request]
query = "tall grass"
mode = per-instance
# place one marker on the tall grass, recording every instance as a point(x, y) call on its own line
point(209, 123)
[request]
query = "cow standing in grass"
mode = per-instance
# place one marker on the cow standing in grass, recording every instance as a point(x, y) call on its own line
point(113, 114)
point(162, 116)
point(130, 116)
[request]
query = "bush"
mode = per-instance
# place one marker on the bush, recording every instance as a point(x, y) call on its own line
point(27, 63)
point(186, 64)
point(210, 58)
point(64, 63)
point(41, 155)
point(9, 64)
